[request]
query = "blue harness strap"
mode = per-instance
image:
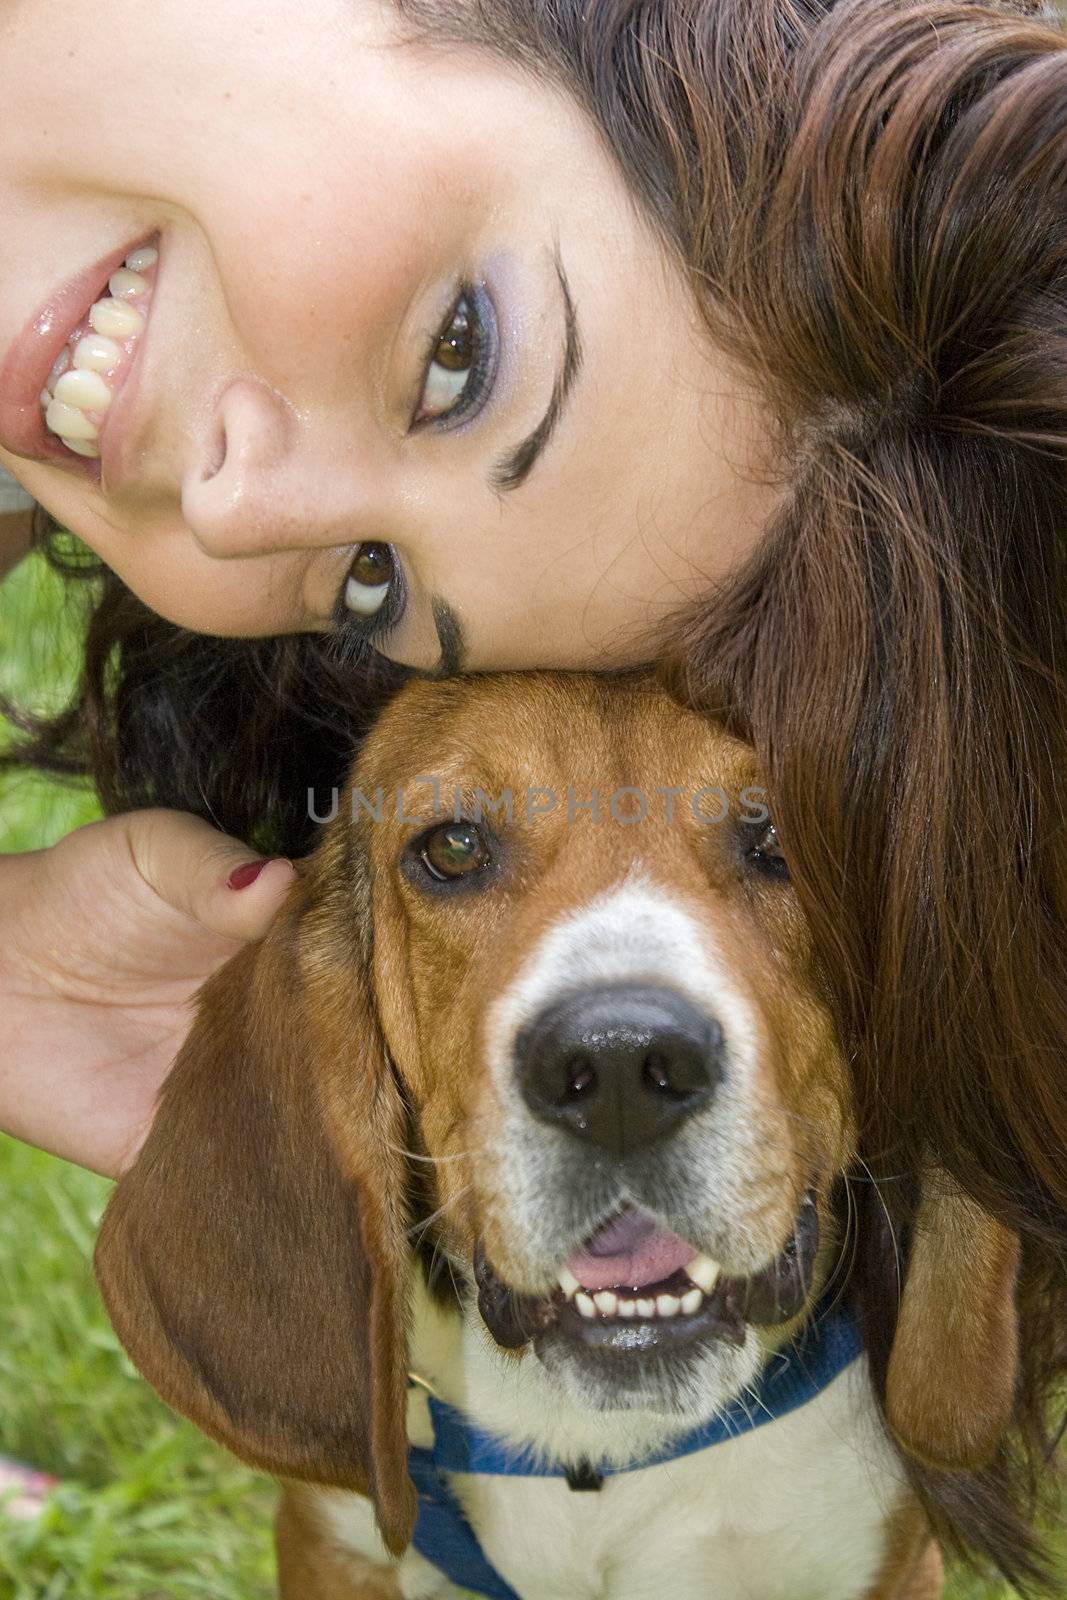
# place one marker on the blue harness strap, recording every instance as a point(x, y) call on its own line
point(829, 1344)
point(445, 1537)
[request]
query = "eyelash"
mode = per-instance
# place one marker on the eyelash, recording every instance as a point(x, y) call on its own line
point(485, 362)
point(373, 629)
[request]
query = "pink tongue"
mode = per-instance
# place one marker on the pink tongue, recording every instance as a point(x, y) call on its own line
point(628, 1252)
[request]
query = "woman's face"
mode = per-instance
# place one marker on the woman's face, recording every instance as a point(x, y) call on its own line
point(402, 298)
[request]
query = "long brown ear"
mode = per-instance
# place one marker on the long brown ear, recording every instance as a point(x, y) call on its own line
point(952, 1374)
point(253, 1260)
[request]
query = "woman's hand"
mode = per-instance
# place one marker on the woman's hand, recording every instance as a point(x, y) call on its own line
point(104, 941)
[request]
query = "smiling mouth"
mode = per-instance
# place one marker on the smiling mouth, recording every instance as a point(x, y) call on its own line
point(97, 357)
point(667, 1294)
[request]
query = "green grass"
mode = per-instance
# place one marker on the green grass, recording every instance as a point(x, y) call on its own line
point(148, 1510)
point(38, 662)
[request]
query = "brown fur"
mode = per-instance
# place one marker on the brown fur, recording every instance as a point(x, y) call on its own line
point(312, 1567)
point(958, 1333)
point(913, 1569)
point(252, 1265)
point(255, 1257)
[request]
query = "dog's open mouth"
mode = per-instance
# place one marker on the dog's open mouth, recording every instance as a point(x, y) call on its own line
point(634, 1285)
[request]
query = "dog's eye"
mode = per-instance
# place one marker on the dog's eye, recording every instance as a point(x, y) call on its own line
point(765, 853)
point(454, 850)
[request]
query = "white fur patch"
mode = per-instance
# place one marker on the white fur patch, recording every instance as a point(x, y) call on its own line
point(795, 1510)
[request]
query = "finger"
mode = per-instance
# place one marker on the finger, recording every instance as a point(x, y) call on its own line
point(206, 874)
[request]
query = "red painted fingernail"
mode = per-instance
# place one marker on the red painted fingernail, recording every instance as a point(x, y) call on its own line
point(244, 877)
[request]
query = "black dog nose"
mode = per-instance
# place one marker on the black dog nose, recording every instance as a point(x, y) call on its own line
point(620, 1067)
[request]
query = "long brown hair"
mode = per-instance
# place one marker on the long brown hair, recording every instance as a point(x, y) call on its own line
point(871, 199)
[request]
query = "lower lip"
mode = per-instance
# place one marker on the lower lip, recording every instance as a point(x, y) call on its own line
point(28, 366)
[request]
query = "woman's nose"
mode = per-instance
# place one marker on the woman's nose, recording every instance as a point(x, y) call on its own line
point(268, 480)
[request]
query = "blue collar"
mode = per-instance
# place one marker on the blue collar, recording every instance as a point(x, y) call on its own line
point(828, 1344)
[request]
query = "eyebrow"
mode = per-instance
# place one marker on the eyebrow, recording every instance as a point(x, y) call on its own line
point(450, 638)
point(513, 469)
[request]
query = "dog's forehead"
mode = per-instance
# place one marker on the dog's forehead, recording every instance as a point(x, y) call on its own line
point(552, 731)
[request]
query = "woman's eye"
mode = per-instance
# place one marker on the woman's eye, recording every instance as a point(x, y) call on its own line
point(463, 362)
point(371, 580)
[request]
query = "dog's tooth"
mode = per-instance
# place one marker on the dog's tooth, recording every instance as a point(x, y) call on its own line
point(646, 1308)
point(568, 1282)
point(704, 1272)
point(692, 1301)
point(606, 1302)
point(667, 1305)
point(627, 1308)
point(585, 1305)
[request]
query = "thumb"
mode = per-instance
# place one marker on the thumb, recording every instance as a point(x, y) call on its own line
point(210, 877)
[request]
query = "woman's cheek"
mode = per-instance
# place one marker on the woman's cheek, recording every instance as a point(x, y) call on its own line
point(238, 600)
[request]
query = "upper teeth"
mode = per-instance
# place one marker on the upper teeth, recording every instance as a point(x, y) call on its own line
point(96, 353)
point(142, 259)
point(115, 319)
point(568, 1283)
point(702, 1272)
point(78, 391)
point(87, 391)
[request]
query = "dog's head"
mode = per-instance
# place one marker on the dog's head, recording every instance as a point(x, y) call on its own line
point(576, 1043)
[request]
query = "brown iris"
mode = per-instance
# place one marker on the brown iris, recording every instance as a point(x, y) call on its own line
point(455, 352)
point(454, 850)
point(373, 565)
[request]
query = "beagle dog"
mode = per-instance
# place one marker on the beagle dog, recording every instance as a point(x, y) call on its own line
point(497, 1203)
